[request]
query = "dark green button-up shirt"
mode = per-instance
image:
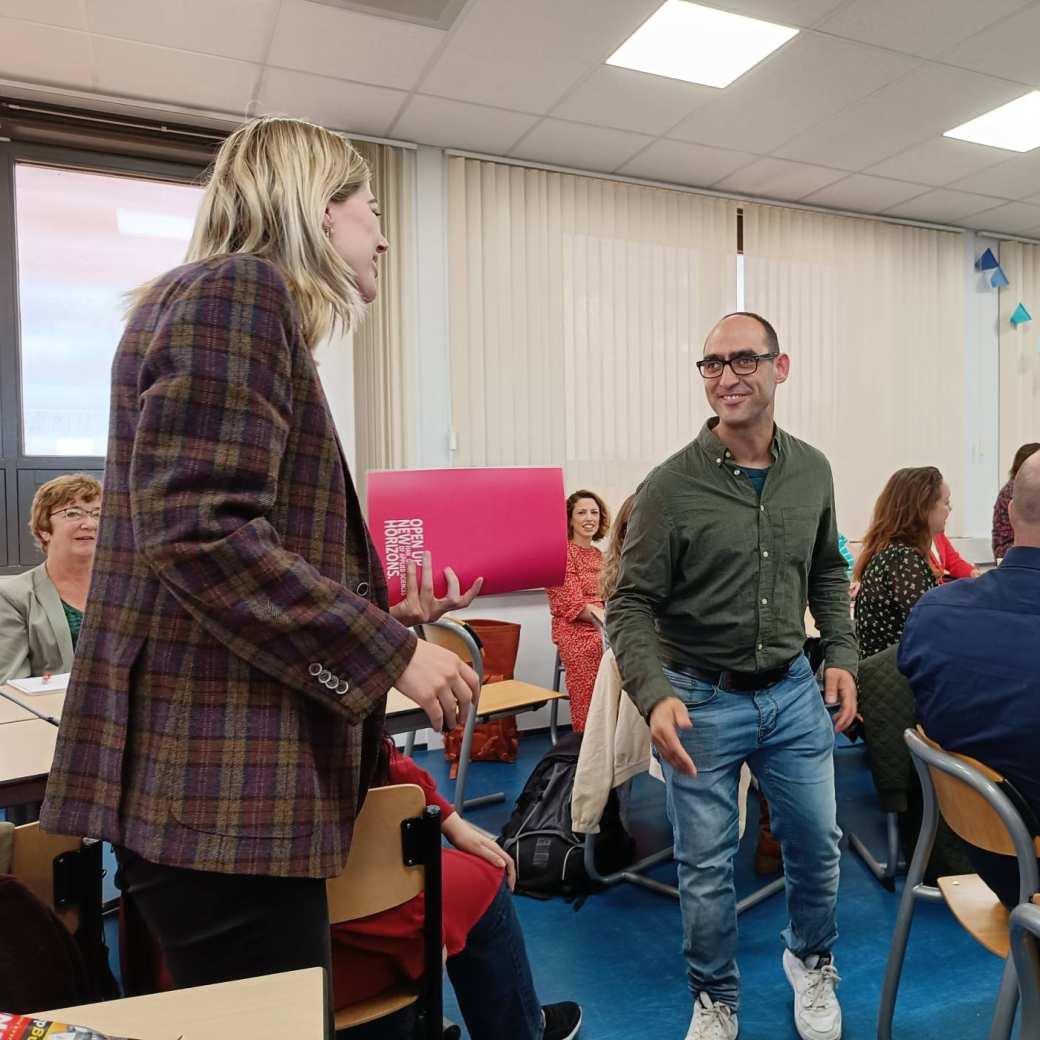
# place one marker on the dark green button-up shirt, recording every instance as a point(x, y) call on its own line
point(714, 577)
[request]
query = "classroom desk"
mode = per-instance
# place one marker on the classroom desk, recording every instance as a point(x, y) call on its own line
point(26, 752)
point(291, 1004)
point(49, 704)
point(403, 715)
point(11, 710)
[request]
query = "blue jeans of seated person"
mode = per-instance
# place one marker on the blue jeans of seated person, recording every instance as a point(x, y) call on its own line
point(785, 735)
point(492, 980)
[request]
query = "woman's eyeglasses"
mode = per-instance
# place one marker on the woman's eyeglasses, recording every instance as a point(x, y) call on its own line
point(75, 515)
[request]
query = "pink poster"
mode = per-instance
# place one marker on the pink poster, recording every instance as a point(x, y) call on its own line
point(508, 525)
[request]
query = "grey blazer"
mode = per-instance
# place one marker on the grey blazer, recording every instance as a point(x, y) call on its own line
point(34, 633)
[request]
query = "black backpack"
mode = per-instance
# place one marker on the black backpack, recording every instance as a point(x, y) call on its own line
point(549, 856)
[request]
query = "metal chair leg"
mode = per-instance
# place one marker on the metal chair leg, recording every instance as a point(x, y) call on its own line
point(409, 743)
point(885, 871)
point(1007, 1004)
point(554, 714)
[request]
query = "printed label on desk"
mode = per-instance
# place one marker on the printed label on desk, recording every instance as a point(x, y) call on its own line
point(21, 1027)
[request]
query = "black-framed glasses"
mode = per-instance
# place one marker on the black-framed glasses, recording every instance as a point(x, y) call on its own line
point(75, 515)
point(743, 365)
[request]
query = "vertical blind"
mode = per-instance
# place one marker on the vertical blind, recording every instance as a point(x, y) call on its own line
point(1019, 352)
point(578, 309)
point(872, 315)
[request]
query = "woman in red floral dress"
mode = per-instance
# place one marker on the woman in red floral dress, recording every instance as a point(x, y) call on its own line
point(577, 604)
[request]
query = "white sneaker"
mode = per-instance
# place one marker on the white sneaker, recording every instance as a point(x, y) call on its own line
point(712, 1021)
point(817, 1013)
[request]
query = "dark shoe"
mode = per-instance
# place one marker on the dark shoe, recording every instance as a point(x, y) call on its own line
point(768, 859)
point(562, 1021)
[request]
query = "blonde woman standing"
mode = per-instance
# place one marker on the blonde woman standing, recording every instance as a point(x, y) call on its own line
point(226, 705)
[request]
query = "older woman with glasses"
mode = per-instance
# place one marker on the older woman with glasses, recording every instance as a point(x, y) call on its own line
point(42, 609)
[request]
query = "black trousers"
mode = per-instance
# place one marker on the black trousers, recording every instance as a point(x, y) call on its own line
point(220, 927)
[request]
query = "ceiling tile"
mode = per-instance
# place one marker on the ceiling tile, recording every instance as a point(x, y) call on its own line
point(329, 41)
point(784, 12)
point(677, 163)
point(629, 100)
point(229, 28)
point(865, 194)
point(525, 56)
point(921, 105)
point(1011, 218)
point(924, 27)
point(1006, 49)
point(174, 77)
point(353, 107)
point(809, 79)
point(938, 161)
point(580, 146)
point(67, 13)
point(44, 54)
point(778, 179)
point(943, 206)
point(1016, 177)
point(455, 124)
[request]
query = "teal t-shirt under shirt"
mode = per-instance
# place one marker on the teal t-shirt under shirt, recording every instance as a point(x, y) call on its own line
point(757, 478)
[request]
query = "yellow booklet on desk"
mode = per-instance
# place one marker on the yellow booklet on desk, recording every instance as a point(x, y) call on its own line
point(37, 684)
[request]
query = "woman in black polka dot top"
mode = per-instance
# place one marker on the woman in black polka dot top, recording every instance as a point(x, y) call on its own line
point(894, 567)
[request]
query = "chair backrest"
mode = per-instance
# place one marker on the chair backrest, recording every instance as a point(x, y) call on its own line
point(375, 878)
point(974, 806)
point(1025, 949)
point(458, 639)
point(33, 855)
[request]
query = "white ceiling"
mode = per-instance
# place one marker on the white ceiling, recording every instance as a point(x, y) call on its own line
point(848, 115)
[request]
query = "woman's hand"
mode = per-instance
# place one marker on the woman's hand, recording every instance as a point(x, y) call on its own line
point(466, 838)
point(593, 615)
point(420, 605)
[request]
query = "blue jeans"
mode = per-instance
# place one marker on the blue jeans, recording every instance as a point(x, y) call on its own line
point(785, 735)
point(492, 977)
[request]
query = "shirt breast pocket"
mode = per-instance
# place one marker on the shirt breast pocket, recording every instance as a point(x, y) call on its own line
point(799, 530)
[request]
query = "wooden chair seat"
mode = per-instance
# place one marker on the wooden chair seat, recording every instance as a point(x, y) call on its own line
point(512, 695)
point(979, 911)
point(387, 1003)
point(33, 864)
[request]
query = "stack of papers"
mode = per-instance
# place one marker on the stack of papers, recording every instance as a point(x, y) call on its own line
point(55, 684)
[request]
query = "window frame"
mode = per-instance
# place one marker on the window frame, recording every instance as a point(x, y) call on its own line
point(13, 459)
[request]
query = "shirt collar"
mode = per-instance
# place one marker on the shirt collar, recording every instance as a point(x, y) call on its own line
point(1022, 556)
point(716, 451)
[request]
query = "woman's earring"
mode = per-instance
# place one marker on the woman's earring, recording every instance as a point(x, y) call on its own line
point(327, 228)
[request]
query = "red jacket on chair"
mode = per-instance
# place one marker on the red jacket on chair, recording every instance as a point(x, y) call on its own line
point(951, 563)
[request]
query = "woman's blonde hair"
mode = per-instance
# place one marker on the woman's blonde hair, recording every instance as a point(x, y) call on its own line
point(611, 571)
point(266, 195)
point(56, 494)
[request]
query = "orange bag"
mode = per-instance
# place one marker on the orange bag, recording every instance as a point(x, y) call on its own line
point(499, 739)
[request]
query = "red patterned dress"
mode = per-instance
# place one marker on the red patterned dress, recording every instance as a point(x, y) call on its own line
point(580, 642)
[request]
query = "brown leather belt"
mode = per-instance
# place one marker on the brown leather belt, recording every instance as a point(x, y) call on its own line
point(734, 682)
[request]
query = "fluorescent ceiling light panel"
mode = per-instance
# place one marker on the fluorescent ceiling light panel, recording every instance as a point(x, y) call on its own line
point(1014, 126)
point(698, 44)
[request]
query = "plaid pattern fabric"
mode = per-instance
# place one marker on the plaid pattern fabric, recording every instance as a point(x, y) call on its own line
point(227, 697)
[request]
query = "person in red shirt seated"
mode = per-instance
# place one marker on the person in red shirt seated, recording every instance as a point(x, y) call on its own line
point(486, 959)
point(947, 562)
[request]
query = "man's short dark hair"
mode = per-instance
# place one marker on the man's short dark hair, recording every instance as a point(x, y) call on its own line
point(772, 340)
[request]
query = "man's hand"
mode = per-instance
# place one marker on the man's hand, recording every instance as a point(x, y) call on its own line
point(466, 838)
point(840, 688)
point(440, 683)
point(420, 605)
point(666, 719)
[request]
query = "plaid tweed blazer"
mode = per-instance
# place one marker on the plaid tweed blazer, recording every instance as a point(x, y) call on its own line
point(228, 691)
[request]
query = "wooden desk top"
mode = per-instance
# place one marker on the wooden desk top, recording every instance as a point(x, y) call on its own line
point(45, 703)
point(268, 1008)
point(26, 750)
point(12, 711)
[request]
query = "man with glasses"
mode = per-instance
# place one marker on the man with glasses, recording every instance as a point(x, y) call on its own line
point(731, 538)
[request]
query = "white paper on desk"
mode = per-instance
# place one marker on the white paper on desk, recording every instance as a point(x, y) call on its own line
point(55, 684)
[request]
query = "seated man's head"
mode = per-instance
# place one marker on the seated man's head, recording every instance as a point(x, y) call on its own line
point(1024, 511)
point(64, 518)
